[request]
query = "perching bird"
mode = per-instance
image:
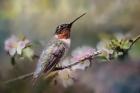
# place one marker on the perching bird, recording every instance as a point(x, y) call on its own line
point(55, 50)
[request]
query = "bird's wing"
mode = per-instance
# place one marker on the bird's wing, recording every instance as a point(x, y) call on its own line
point(49, 58)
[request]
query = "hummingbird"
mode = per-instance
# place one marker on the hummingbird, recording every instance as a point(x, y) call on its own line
point(55, 51)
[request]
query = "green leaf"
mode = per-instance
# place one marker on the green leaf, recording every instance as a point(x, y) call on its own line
point(28, 52)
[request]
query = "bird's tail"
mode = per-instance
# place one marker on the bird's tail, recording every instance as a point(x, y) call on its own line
point(48, 69)
point(35, 79)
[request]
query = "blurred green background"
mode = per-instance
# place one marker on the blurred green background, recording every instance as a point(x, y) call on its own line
point(38, 19)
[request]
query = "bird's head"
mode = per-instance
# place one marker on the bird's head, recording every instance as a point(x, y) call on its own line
point(63, 30)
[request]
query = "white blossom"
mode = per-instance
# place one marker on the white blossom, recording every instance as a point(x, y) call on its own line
point(105, 51)
point(15, 45)
point(81, 60)
point(66, 76)
point(10, 45)
point(83, 55)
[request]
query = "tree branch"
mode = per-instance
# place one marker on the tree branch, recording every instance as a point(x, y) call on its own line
point(56, 69)
point(75, 63)
point(19, 78)
point(134, 41)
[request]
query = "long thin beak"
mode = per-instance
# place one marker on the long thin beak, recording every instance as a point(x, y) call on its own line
point(76, 19)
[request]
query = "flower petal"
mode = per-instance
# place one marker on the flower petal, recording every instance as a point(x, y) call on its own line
point(20, 46)
point(12, 51)
point(7, 45)
point(65, 77)
point(82, 53)
point(10, 43)
point(26, 41)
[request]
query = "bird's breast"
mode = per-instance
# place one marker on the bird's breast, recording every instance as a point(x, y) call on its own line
point(67, 42)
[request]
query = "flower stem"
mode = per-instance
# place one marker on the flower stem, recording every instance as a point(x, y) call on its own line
point(19, 78)
point(134, 41)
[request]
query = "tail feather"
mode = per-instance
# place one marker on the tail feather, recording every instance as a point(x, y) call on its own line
point(35, 79)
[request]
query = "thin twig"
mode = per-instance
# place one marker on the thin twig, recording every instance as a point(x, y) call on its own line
point(31, 74)
point(23, 76)
point(68, 66)
point(134, 41)
point(75, 63)
point(56, 69)
point(19, 78)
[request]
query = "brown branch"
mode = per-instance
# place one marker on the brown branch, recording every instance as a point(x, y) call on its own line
point(23, 76)
point(31, 74)
point(68, 66)
point(56, 69)
point(75, 63)
point(19, 78)
point(134, 41)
